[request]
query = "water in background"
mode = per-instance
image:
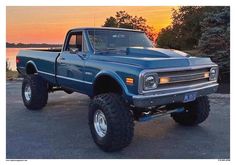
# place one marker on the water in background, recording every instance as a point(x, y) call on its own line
point(11, 55)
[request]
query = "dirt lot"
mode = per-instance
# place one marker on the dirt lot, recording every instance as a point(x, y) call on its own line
point(61, 130)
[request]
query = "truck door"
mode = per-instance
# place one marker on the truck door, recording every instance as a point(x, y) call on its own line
point(70, 63)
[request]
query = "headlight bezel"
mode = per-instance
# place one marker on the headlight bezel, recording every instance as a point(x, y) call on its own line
point(213, 76)
point(155, 77)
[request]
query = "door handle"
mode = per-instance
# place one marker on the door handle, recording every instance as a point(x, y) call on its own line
point(60, 59)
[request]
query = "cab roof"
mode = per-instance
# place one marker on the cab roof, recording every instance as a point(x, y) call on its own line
point(104, 28)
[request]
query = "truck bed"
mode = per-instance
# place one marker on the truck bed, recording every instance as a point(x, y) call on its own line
point(44, 60)
point(47, 50)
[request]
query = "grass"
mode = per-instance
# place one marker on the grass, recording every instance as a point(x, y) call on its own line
point(11, 75)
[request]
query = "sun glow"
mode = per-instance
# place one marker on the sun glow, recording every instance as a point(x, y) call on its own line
point(50, 24)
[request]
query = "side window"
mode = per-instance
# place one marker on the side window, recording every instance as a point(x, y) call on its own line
point(75, 42)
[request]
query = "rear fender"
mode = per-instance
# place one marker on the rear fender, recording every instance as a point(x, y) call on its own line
point(30, 62)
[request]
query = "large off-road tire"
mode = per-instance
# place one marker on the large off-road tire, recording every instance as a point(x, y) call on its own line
point(111, 122)
point(195, 112)
point(34, 92)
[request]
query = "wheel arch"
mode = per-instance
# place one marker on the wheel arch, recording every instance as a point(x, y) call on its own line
point(31, 68)
point(103, 76)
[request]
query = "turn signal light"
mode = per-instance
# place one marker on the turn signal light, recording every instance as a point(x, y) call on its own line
point(129, 81)
point(164, 80)
point(206, 75)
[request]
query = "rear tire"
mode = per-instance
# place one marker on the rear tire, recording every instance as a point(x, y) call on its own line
point(117, 132)
point(34, 92)
point(195, 112)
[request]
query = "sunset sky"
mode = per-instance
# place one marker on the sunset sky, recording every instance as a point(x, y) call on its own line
point(50, 24)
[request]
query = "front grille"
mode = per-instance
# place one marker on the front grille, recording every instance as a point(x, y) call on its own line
point(184, 78)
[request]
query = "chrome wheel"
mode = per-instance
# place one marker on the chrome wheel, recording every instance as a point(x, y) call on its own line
point(100, 123)
point(27, 92)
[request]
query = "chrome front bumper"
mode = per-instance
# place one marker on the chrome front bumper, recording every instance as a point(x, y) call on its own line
point(173, 95)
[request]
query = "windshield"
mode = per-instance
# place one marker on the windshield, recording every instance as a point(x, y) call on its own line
point(117, 39)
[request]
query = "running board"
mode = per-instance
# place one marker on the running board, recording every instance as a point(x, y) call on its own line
point(153, 116)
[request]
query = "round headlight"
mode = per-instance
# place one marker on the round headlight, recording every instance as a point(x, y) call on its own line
point(213, 74)
point(150, 82)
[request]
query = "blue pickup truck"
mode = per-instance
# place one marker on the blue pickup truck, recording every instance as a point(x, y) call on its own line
point(126, 77)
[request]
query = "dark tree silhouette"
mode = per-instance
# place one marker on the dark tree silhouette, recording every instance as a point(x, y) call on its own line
point(123, 20)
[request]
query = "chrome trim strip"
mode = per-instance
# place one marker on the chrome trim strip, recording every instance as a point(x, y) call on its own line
point(186, 86)
point(180, 68)
point(21, 67)
point(185, 75)
point(186, 80)
point(173, 93)
point(50, 74)
point(72, 79)
point(142, 73)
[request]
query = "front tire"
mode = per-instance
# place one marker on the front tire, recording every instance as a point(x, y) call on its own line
point(34, 92)
point(195, 112)
point(110, 122)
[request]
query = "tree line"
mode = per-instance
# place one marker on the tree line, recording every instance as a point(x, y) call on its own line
point(205, 28)
point(124, 20)
point(21, 45)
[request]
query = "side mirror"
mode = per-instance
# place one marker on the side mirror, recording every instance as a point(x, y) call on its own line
point(74, 50)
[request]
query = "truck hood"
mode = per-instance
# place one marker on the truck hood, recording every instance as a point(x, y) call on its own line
point(153, 58)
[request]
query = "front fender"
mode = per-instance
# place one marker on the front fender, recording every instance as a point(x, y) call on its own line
point(116, 77)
